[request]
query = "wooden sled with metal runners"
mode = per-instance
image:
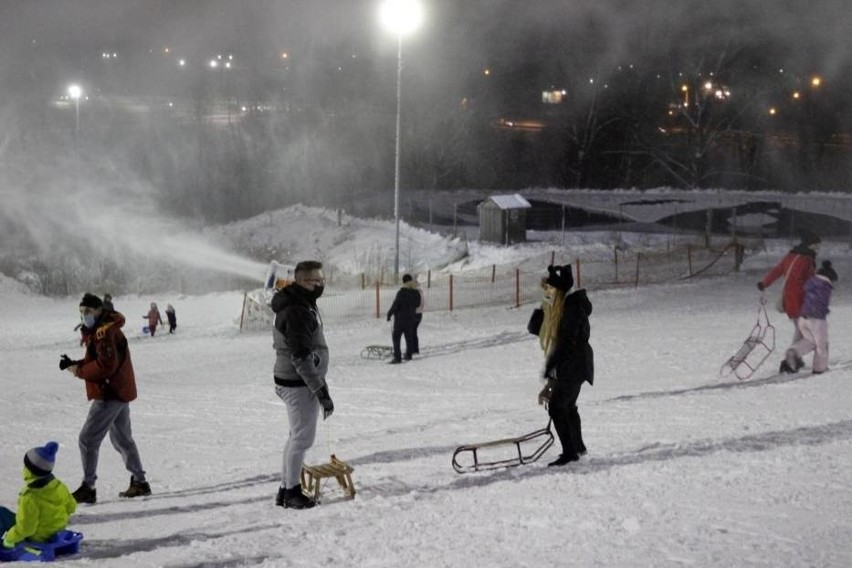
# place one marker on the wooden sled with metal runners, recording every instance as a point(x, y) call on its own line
point(508, 452)
point(312, 476)
point(377, 352)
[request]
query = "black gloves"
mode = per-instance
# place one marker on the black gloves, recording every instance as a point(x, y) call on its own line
point(65, 362)
point(760, 286)
point(325, 402)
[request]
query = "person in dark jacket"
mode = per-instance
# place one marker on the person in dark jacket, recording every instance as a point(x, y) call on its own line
point(569, 359)
point(108, 306)
point(301, 364)
point(813, 323)
point(111, 386)
point(404, 314)
point(172, 317)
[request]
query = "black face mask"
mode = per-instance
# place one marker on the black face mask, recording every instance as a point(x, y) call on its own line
point(317, 292)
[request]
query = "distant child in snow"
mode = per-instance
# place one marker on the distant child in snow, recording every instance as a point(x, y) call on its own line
point(154, 318)
point(812, 323)
point(108, 303)
point(44, 504)
point(170, 314)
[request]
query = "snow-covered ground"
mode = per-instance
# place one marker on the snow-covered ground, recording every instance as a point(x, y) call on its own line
point(684, 468)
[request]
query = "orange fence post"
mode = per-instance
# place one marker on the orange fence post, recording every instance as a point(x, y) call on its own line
point(615, 254)
point(638, 257)
point(517, 287)
point(689, 257)
point(451, 292)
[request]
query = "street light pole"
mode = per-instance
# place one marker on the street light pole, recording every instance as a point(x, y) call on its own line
point(396, 157)
point(75, 92)
point(400, 17)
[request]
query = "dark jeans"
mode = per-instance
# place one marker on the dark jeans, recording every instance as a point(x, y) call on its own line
point(405, 328)
point(566, 420)
point(415, 346)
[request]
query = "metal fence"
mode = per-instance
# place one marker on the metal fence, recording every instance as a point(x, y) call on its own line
point(354, 298)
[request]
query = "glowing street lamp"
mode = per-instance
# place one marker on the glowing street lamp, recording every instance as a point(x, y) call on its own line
point(75, 92)
point(401, 17)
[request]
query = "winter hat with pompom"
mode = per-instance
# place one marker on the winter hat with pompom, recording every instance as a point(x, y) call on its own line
point(827, 271)
point(560, 277)
point(40, 460)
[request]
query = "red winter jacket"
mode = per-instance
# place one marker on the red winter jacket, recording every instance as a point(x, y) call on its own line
point(107, 368)
point(798, 265)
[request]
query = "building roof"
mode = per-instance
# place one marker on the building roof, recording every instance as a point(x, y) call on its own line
point(514, 201)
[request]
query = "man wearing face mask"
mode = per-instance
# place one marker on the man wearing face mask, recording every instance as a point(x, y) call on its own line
point(301, 365)
point(111, 386)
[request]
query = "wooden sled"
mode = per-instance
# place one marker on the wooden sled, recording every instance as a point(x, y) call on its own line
point(509, 452)
point(755, 349)
point(312, 476)
point(377, 352)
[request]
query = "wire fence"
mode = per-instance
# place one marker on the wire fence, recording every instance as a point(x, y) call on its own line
point(355, 298)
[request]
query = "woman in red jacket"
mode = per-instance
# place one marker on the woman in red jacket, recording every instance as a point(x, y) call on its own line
point(796, 267)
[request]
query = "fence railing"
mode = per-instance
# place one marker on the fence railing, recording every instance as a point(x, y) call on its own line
point(514, 286)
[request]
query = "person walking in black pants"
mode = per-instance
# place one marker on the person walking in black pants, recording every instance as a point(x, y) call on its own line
point(570, 360)
point(404, 314)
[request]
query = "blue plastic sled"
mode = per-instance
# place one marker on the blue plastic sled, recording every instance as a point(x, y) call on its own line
point(63, 543)
point(146, 330)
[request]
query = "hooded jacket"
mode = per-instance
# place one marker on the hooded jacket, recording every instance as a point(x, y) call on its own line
point(798, 265)
point(301, 350)
point(107, 368)
point(573, 358)
point(405, 304)
point(44, 506)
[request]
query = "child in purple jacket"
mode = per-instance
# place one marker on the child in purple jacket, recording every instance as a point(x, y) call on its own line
point(812, 322)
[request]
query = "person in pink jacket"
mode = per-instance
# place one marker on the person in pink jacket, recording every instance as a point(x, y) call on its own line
point(154, 318)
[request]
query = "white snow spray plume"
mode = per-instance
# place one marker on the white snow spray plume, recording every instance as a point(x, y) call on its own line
point(51, 211)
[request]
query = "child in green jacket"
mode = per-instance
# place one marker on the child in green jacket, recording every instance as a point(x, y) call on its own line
point(44, 504)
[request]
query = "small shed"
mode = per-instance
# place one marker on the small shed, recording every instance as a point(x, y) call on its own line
point(503, 219)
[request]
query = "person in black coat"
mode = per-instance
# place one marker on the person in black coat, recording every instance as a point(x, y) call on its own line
point(570, 360)
point(404, 314)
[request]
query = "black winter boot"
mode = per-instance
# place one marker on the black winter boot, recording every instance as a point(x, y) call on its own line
point(279, 499)
point(85, 494)
point(564, 459)
point(295, 499)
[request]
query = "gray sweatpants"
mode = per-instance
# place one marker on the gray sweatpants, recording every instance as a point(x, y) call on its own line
point(113, 417)
point(302, 414)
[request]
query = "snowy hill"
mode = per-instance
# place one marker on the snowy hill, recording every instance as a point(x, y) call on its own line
point(684, 468)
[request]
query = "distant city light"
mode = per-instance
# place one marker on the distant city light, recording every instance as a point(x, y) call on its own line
point(214, 63)
point(796, 94)
point(816, 81)
point(182, 62)
point(284, 55)
point(486, 71)
point(75, 91)
point(773, 111)
point(166, 50)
